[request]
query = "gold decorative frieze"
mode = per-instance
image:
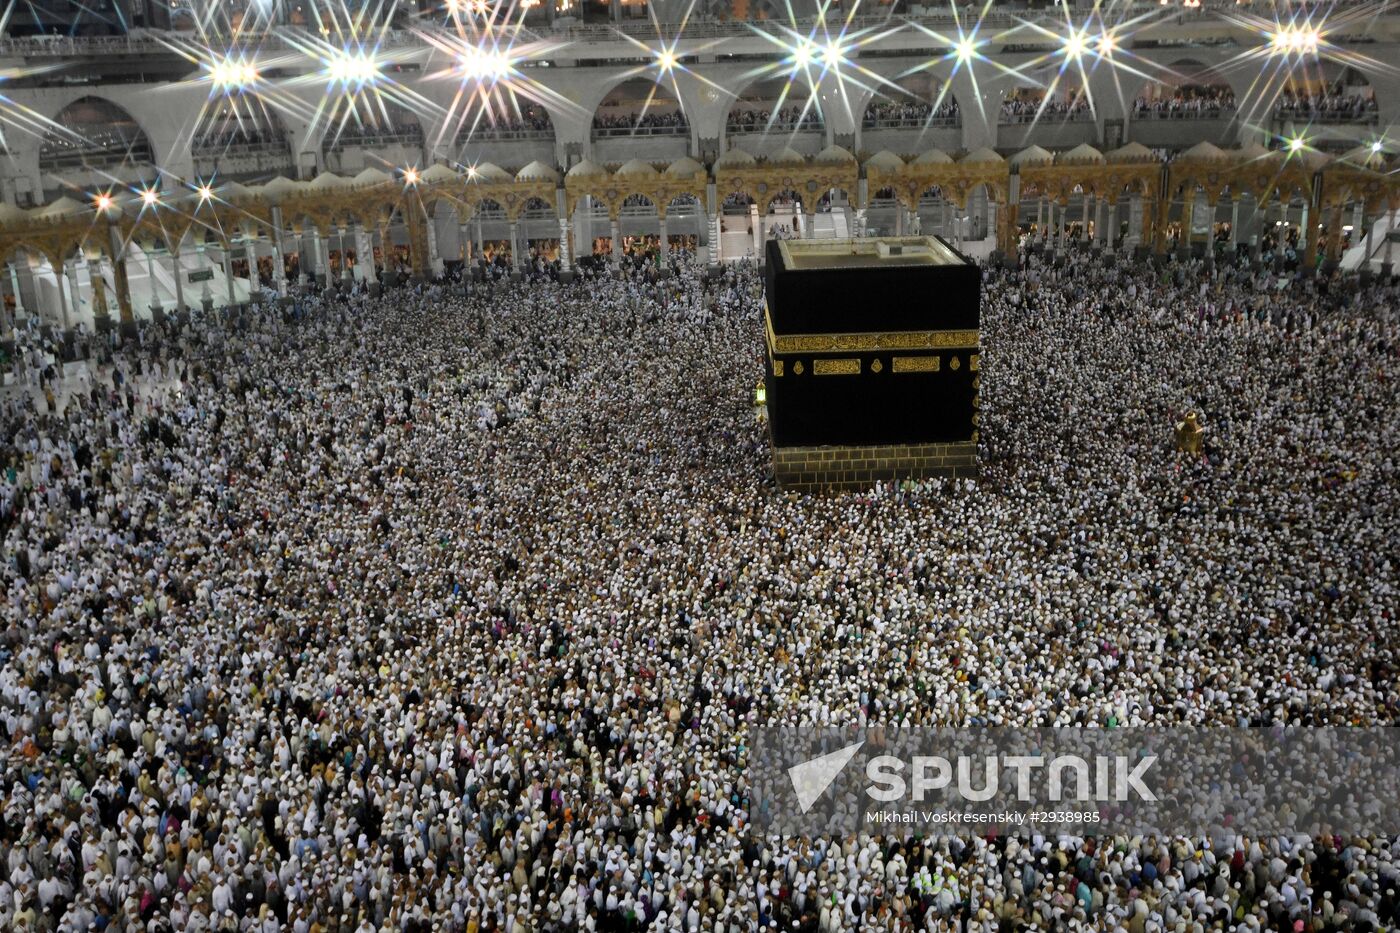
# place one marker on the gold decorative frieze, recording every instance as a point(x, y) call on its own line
point(871, 342)
point(842, 367)
point(976, 361)
point(915, 364)
point(777, 367)
point(876, 366)
point(797, 367)
point(955, 364)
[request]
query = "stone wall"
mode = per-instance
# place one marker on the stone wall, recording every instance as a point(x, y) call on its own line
point(814, 469)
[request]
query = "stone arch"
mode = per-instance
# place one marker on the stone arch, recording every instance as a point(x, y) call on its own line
point(93, 132)
point(240, 120)
point(32, 260)
point(486, 207)
point(640, 105)
point(791, 195)
point(823, 204)
point(636, 203)
point(536, 206)
point(1186, 87)
point(1048, 93)
point(499, 113)
point(790, 106)
point(367, 120)
point(915, 101)
point(1331, 94)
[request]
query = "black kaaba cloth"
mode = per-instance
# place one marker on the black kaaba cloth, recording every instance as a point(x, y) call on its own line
point(871, 342)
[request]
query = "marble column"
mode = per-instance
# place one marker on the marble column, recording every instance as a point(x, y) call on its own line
point(434, 260)
point(70, 272)
point(150, 277)
point(14, 288)
point(564, 248)
point(347, 273)
point(1386, 267)
point(665, 245)
point(464, 244)
point(364, 254)
point(1213, 207)
point(228, 275)
point(1305, 238)
point(1234, 224)
point(323, 259)
point(120, 282)
point(279, 254)
point(201, 263)
point(99, 289)
point(517, 257)
point(716, 241)
point(60, 280)
point(616, 234)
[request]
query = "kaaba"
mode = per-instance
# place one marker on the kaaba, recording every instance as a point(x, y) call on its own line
point(873, 360)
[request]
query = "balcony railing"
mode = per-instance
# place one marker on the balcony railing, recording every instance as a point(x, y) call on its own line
point(1207, 113)
point(108, 156)
point(406, 138)
point(1075, 116)
point(481, 134)
point(804, 126)
point(910, 123)
point(1361, 117)
point(612, 132)
point(214, 149)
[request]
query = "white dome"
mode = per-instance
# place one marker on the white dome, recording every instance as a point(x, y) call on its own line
point(585, 167)
point(1132, 152)
point(786, 156)
point(372, 176)
point(884, 159)
point(60, 208)
point(327, 180)
point(834, 155)
point(984, 156)
point(1082, 153)
point(537, 171)
point(735, 158)
point(635, 167)
point(685, 167)
point(1031, 155)
point(934, 157)
point(438, 173)
point(488, 171)
point(1204, 152)
point(278, 187)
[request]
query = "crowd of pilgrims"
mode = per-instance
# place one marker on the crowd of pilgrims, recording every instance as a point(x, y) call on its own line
point(445, 611)
point(1195, 101)
point(1027, 108)
point(895, 113)
point(1331, 106)
point(529, 119)
point(805, 117)
point(650, 120)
